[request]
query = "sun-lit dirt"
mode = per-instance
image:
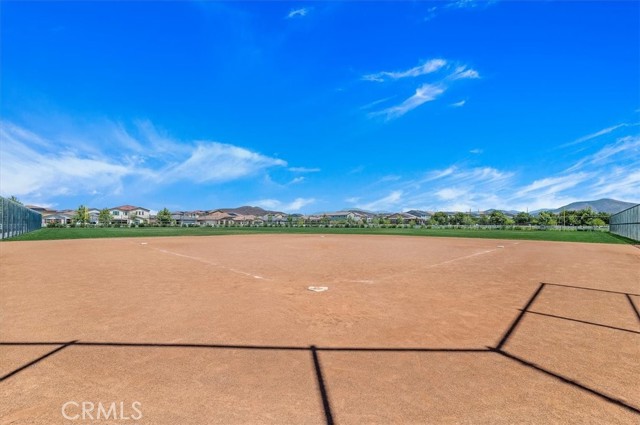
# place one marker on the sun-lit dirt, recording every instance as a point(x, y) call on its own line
point(223, 329)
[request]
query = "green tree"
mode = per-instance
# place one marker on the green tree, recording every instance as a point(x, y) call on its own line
point(498, 218)
point(457, 218)
point(547, 218)
point(439, 218)
point(82, 215)
point(164, 217)
point(523, 218)
point(14, 199)
point(104, 218)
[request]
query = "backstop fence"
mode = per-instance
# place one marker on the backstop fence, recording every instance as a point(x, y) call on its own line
point(16, 219)
point(626, 223)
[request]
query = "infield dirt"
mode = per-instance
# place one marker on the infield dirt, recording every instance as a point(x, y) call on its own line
point(411, 330)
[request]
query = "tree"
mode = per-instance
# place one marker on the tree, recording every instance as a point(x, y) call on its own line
point(82, 215)
point(104, 218)
point(546, 218)
point(164, 217)
point(498, 218)
point(439, 218)
point(523, 218)
point(457, 218)
point(14, 199)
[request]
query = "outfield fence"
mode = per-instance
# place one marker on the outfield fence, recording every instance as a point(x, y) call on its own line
point(626, 223)
point(16, 219)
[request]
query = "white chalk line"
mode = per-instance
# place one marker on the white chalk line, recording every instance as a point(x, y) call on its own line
point(211, 263)
point(431, 266)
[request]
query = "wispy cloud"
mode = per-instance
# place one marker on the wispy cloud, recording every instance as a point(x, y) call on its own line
point(629, 145)
point(610, 171)
point(303, 170)
point(596, 134)
point(427, 67)
point(295, 205)
point(390, 201)
point(298, 13)
point(459, 104)
point(41, 167)
point(423, 94)
point(448, 73)
point(463, 72)
point(213, 162)
point(476, 151)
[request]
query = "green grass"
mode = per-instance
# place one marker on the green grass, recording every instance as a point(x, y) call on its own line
point(125, 232)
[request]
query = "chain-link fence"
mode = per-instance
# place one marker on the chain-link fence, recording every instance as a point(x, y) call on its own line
point(16, 219)
point(626, 223)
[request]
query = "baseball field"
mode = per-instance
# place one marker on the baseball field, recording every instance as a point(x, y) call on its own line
point(224, 329)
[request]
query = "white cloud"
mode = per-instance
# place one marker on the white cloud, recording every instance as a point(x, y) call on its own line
point(476, 151)
point(214, 162)
point(303, 170)
point(87, 164)
point(297, 180)
point(295, 205)
point(428, 67)
point(34, 171)
point(450, 193)
point(424, 93)
point(595, 135)
point(628, 145)
point(390, 201)
point(389, 178)
point(462, 72)
point(298, 13)
point(551, 185)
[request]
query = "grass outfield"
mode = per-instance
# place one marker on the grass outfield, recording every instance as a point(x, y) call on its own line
point(125, 232)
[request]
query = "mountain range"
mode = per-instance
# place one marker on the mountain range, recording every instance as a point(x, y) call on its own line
point(610, 206)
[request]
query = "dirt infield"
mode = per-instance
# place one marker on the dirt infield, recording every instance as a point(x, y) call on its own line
point(223, 329)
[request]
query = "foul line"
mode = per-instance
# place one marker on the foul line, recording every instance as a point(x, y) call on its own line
point(211, 263)
point(439, 264)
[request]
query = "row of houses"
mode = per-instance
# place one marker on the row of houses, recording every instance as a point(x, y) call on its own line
point(123, 215)
point(133, 215)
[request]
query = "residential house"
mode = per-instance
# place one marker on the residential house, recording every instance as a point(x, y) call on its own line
point(94, 215)
point(215, 218)
point(403, 218)
point(277, 219)
point(128, 214)
point(186, 218)
point(58, 217)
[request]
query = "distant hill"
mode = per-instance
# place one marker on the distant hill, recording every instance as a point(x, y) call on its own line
point(610, 206)
point(247, 210)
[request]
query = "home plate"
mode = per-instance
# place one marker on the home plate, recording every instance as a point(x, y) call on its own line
point(318, 288)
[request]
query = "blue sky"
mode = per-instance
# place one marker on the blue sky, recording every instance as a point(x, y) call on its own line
point(318, 106)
